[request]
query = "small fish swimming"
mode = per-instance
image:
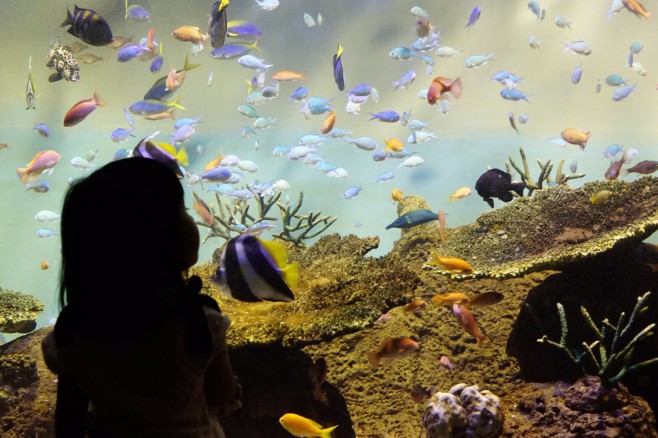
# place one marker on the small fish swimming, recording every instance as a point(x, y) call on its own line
point(453, 264)
point(474, 17)
point(645, 167)
point(309, 20)
point(460, 193)
point(252, 270)
point(406, 80)
point(512, 123)
point(217, 24)
point(562, 22)
point(352, 192)
point(466, 319)
point(46, 216)
point(534, 42)
point(576, 74)
point(391, 349)
point(440, 86)
point(600, 197)
point(339, 76)
point(477, 61)
point(413, 218)
point(62, 60)
point(614, 80)
point(622, 93)
point(42, 129)
point(46, 233)
point(513, 94)
point(89, 26)
point(30, 93)
point(40, 186)
point(120, 135)
point(389, 116)
point(637, 8)
point(576, 137)
point(303, 427)
point(43, 162)
point(578, 47)
point(494, 183)
point(78, 112)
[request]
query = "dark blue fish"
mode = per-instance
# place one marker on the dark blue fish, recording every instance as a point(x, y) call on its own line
point(89, 26)
point(494, 183)
point(475, 15)
point(233, 50)
point(146, 149)
point(252, 270)
point(217, 26)
point(413, 218)
point(129, 53)
point(245, 30)
point(156, 64)
point(338, 69)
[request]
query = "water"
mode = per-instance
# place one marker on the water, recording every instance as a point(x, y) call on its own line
point(473, 135)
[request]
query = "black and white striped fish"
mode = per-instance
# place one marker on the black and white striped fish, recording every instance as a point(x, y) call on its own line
point(252, 269)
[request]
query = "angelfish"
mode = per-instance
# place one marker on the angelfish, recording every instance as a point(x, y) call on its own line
point(338, 69)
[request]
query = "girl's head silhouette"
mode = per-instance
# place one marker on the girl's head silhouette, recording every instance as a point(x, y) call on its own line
point(126, 236)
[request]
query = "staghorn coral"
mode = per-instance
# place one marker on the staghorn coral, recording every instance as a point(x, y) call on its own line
point(544, 174)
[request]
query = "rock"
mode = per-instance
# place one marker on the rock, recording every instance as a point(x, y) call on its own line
point(18, 370)
point(588, 395)
point(464, 412)
point(18, 312)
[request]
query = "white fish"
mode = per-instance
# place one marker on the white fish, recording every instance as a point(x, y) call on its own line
point(638, 68)
point(534, 42)
point(338, 172)
point(417, 125)
point(445, 106)
point(412, 161)
point(374, 94)
point(579, 47)
point(299, 152)
point(615, 7)
point(309, 20)
point(250, 61)
point(422, 94)
point(192, 179)
point(562, 22)
point(81, 163)
point(258, 228)
point(320, 19)
point(281, 185)
point(418, 137)
point(406, 80)
point(46, 233)
point(365, 143)
point(248, 166)
point(46, 216)
point(352, 107)
point(268, 5)
point(312, 140)
point(210, 77)
point(558, 141)
point(91, 155)
point(477, 61)
point(229, 160)
point(446, 52)
point(419, 12)
point(264, 122)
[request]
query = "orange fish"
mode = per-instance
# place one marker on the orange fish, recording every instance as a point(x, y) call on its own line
point(202, 210)
point(440, 86)
point(636, 7)
point(396, 195)
point(328, 123)
point(466, 319)
point(42, 162)
point(288, 75)
point(189, 33)
point(214, 163)
point(44, 265)
point(82, 109)
point(485, 299)
point(450, 263)
point(392, 349)
point(450, 298)
point(415, 305)
point(442, 224)
point(576, 136)
point(394, 145)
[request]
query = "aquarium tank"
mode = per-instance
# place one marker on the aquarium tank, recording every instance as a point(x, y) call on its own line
point(319, 123)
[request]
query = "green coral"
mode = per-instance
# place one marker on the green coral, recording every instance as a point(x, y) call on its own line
point(610, 353)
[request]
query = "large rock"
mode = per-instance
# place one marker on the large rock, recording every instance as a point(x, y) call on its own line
point(18, 312)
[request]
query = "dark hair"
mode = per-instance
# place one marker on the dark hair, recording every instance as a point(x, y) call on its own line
point(121, 239)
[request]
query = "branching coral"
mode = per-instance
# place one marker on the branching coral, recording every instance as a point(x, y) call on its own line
point(544, 174)
point(610, 357)
point(303, 224)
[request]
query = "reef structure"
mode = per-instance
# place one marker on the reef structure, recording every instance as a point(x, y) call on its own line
point(555, 227)
point(18, 312)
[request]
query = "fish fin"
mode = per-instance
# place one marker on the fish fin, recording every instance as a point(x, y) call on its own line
point(436, 257)
point(22, 174)
point(69, 19)
point(339, 52)
point(126, 17)
point(255, 46)
point(456, 88)
point(182, 157)
point(373, 358)
point(98, 99)
point(277, 251)
point(175, 104)
point(187, 66)
point(452, 199)
point(326, 433)
point(291, 275)
point(480, 338)
point(623, 173)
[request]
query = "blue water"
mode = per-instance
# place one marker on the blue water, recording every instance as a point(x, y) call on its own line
point(473, 135)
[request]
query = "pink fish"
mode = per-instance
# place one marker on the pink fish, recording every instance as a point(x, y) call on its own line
point(445, 363)
point(42, 162)
point(442, 224)
point(82, 109)
point(466, 319)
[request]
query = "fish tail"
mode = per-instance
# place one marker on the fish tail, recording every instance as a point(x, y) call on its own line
point(480, 338)
point(452, 199)
point(69, 18)
point(187, 66)
point(456, 88)
point(255, 46)
point(126, 17)
point(291, 275)
point(23, 174)
point(98, 99)
point(175, 104)
point(182, 157)
point(373, 358)
point(623, 173)
point(326, 433)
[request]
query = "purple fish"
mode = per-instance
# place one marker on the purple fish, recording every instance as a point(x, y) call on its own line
point(129, 52)
point(475, 15)
point(576, 74)
point(137, 13)
point(361, 90)
point(232, 50)
point(338, 69)
point(389, 116)
point(156, 64)
point(245, 30)
point(218, 174)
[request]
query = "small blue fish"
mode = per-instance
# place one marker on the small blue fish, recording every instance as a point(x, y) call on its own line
point(413, 218)
point(523, 118)
point(46, 233)
point(156, 64)
point(352, 192)
point(389, 116)
point(128, 117)
point(513, 94)
point(120, 135)
point(475, 15)
point(403, 53)
point(361, 90)
point(622, 93)
point(338, 69)
point(182, 122)
point(612, 150)
point(42, 129)
point(137, 13)
point(630, 60)
point(299, 94)
point(244, 30)
point(40, 186)
point(379, 156)
point(406, 80)
point(598, 86)
point(614, 80)
point(573, 167)
point(386, 176)
point(128, 53)
point(576, 74)
point(218, 174)
point(121, 154)
point(636, 47)
point(233, 50)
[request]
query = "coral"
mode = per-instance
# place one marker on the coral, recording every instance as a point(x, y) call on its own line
point(293, 222)
point(18, 370)
point(18, 312)
point(544, 174)
point(611, 351)
point(464, 411)
point(554, 227)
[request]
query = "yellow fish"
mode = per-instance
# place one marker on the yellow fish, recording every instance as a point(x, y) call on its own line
point(189, 33)
point(396, 195)
point(180, 156)
point(450, 298)
point(576, 136)
point(328, 123)
point(459, 194)
point(394, 145)
point(600, 197)
point(450, 263)
point(214, 163)
point(303, 427)
point(288, 75)
point(636, 7)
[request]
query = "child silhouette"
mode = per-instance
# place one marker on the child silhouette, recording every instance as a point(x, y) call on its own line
point(137, 350)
